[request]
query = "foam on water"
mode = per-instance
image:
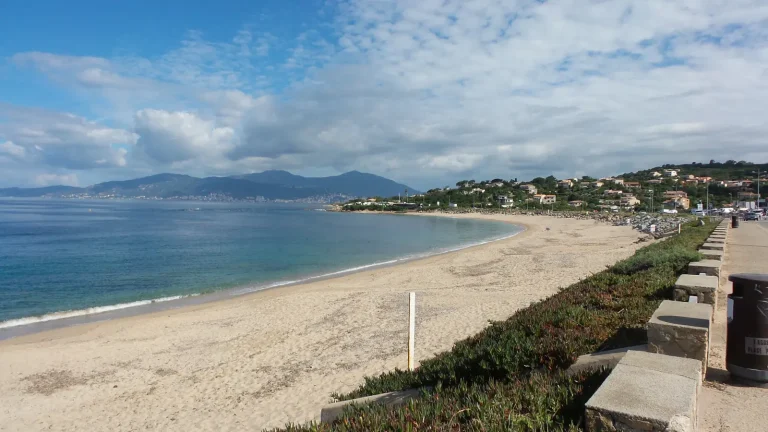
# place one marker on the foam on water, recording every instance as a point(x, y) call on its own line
point(88, 311)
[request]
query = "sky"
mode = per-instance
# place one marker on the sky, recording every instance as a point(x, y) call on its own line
point(425, 92)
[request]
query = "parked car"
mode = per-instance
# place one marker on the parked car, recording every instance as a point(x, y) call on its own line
point(752, 217)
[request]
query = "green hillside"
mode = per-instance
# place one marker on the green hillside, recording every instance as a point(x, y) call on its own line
point(646, 190)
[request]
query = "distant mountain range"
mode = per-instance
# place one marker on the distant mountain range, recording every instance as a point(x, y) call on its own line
point(269, 185)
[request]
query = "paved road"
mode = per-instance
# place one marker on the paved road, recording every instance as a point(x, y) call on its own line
point(725, 406)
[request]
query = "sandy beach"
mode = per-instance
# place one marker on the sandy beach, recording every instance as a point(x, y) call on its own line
point(273, 357)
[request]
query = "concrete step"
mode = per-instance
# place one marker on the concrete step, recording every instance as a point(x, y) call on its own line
point(331, 412)
point(712, 254)
point(704, 288)
point(602, 359)
point(647, 392)
point(713, 246)
point(708, 267)
point(681, 330)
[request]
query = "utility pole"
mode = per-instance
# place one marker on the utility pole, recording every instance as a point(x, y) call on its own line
point(707, 198)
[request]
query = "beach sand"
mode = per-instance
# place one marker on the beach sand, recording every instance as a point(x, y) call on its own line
point(269, 358)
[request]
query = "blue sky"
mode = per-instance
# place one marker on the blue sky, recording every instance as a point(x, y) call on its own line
point(117, 29)
point(422, 92)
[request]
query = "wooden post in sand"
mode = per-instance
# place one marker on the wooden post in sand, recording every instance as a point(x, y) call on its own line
point(411, 329)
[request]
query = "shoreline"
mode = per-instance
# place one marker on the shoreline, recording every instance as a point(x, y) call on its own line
point(273, 357)
point(18, 327)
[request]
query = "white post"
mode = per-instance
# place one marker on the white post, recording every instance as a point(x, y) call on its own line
point(678, 228)
point(411, 329)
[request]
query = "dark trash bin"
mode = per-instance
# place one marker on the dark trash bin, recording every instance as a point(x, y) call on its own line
point(746, 353)
point(734, 221)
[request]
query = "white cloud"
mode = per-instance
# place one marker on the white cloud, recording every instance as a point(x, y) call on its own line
point(13, 150)
point(56, 179)
point(169, 137)
point(427, 91)
point(44, 138)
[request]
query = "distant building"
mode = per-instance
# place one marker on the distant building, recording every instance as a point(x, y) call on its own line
point(670, 173)
point(704, 179)
point(504, 200)
point(632, 185)
point(611, 192)
point(747, 196)
point(531, 189)
point(577, 203)
point(618, 181)
point(565, 183)
point(675, 194)
point(545, 199)
point(655, 181)
point(655, 174)
point(407, 206)
point(681, 202)
point(629, 201)
point(597, 184)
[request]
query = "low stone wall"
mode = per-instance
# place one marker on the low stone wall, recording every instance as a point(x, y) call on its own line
point(647, 392)
point(681, 330)
point(704, 288)
point(332, 411)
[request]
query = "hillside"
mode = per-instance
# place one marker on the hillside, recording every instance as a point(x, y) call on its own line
point(269, 185)
point(678, 187)
point(729, 170)
point(352, 183)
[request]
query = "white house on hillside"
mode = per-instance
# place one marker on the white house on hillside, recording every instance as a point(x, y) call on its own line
point(545, 199)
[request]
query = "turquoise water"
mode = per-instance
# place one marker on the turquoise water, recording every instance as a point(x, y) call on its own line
point(69, 255)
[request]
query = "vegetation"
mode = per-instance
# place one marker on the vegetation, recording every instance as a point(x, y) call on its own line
point(510, 375)
point(729, 170)
point(487, 194)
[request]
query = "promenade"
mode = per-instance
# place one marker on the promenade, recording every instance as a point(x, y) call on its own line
point(726, 406)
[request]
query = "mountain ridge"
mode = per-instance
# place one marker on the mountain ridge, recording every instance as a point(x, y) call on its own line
point(266, 185)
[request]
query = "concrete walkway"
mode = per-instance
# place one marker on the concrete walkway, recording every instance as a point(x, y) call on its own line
point(726, 406)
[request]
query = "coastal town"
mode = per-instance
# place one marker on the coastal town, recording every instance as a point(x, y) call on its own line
point(667, 190)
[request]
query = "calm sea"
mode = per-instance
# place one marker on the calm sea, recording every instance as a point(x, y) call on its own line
point(87, 257)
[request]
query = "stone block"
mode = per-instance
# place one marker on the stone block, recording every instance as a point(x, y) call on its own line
point(602, 359)
point(712, 254)
point(708, 267)
point(681, 330)
point(713, 246)
point(714, 239)
point(647, 392)
point(704, 288)
point(332, 411)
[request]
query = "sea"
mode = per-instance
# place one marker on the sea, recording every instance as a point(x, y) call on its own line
point(66, 260)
